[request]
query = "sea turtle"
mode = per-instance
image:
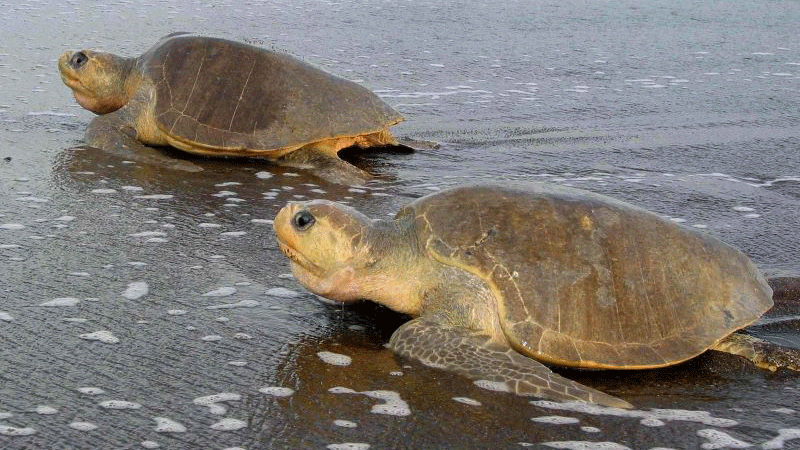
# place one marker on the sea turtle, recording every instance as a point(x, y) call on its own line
point(563, 276)
point(211, 96)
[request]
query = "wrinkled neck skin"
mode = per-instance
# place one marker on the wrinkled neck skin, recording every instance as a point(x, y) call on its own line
point(388, 270)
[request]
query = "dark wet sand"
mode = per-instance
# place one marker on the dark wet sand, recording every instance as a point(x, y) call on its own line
point(685, 109)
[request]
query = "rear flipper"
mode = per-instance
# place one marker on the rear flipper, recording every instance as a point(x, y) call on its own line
point(762, 353)
point(110, 134)
point(325, 166)
point(477, 357)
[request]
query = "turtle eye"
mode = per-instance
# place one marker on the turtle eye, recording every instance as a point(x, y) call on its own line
point(78, 60)
point(303, 220)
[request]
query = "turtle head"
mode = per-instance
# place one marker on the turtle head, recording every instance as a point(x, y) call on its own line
point(341, 254)
point(99, 81)
point(325, 243)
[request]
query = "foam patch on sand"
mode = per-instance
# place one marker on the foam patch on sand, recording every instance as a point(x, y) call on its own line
point(213, 402)
point(136, 290)
point(393, 405)
point(650, 418)
point(335, 359)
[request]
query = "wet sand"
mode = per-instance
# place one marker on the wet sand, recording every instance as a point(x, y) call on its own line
point(146, 308)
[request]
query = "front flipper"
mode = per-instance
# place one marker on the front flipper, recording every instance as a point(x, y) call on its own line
point(112, 135)
point(325, 166)
point(477, 357)
point(764, 354)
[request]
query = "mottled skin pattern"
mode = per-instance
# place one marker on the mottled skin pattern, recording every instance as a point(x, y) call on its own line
point(211, 96)
point(559, 275)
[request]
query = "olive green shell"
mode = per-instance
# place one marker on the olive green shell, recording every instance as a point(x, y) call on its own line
point(585, 280)
point(222, 94)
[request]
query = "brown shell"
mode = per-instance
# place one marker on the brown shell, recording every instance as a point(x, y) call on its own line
point(586, 280)
point(227, 95)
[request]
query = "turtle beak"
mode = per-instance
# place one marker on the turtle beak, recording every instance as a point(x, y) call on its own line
point(66, 68)
point(69, 62)
point(284, 232)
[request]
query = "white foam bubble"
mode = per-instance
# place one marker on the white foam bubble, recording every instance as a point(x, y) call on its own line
point(208, 225)
point(263, 175)
point(282, 292)
point(65, 218)
point(264, 221)
point(136, 290)
point(11, 226)
point(743, 208)
point(6, 317)
point(213, 402)
point(344, 423)
point(225, 194)
point(61, 301)
point(497, 386)
point(6, 430)
point(155, 196)
point(467, 401)
point(46, 410)
point(652, 422)
point(229, 424)
point(79, 274)
point(242, 336)
point(150, 444)
point(224, 291)
point(131, 188)
point(9, 246)
point(586, 445)
point(335, 359)
point(211, 338)
point(82, 426)
point(233, 233)
point(590, 429)
point(784, 434)
point(348, 446)
point(277, 391)
point(341, 390)
point(665, 415)
point(784, 410)
point(718, 439)
point(556, 420)
point(165, 425)
point(237, 363)
point(103, 191)
point(394, 406)
point(103, 336)
point(176, 312)
point(119, 404)
point(91, 391)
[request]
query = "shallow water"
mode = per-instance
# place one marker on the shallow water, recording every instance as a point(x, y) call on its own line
point(141, 307)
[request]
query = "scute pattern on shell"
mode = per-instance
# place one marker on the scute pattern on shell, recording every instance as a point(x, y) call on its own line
point(586, 280)
point(228, 95)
